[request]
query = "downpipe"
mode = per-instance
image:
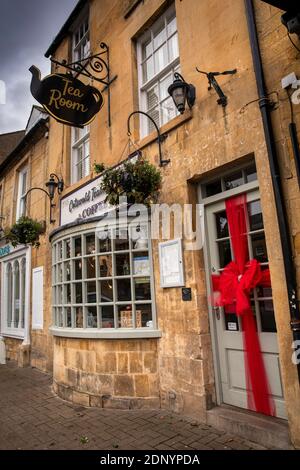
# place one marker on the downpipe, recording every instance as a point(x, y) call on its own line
point(264, 104)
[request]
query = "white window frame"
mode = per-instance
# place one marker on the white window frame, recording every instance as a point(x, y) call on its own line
point(172, 67)
point(20, 331)
point(77, 54)
point(58, 250)
point(76, 145)
point(21, 196)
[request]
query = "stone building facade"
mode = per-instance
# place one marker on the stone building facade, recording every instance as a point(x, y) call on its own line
point(182, 355)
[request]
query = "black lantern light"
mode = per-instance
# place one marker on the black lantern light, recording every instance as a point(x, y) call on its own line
point(52, 185)
point(182, 92)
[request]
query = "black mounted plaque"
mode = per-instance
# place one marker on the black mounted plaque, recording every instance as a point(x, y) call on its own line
point(66, 98)
point(186, 294)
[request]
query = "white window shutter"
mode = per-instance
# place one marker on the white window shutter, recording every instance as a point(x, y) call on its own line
point(38, 298)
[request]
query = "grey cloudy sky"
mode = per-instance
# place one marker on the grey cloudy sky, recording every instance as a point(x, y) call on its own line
point(27, 27)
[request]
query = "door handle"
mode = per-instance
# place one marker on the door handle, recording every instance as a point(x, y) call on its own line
point(217, 312)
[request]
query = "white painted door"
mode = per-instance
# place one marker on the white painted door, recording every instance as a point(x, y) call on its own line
point(227, 326)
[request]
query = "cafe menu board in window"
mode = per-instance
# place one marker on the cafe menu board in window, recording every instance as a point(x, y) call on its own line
point(141, 265)
point(171, 264)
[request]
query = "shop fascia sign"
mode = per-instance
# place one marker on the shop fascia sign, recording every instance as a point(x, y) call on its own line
point(65, 98)
point(84, 203)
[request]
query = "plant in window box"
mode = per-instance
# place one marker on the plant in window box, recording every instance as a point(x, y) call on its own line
point(25, 231)
point(99, 168)
point(140, 182)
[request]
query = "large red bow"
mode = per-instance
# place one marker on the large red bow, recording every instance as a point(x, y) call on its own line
point(235, 288)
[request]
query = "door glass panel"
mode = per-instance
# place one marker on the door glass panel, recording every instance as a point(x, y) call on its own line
point(255, 216)
point(267, 318)
point(224, 253)
point(259, 247)
point(231, 319)
point(222, 224)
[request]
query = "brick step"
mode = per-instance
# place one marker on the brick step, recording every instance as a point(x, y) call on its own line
point(264, 430)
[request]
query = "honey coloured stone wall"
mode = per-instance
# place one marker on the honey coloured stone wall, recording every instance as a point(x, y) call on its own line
point(107, 373)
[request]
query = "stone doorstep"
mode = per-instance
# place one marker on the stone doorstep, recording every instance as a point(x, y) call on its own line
point(264, 430)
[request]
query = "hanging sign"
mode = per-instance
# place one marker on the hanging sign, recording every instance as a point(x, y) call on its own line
point(66, 98)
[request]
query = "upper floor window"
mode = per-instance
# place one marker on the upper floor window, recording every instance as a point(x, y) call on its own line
point(158, 60)
point(81, 41)
point(80, 162)
point(22, 189)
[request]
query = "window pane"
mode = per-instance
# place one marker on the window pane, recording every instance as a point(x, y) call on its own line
point(164, 85)
point(78, 293)
point(224, 253)
point(160, 58)
point(267, 318)
point(123, 290)
point(159, 36)
point(173, 47)
point(105, 266)
point(78, 317)
point(146, 50)
point(155, 116)
point(222, 224)
point(9, 294)
point(172, 26)
point(106, 291)
point(168, 110)
point(152, 98)
point(91, 317)
point(121, 240)
point(60, 317)
point(255, 215)
point(69, 317)
point(234, 180)
point(213, 188)
point(60, 272)
point(78, 269)
point(122, 264)
point(148, 69)
point(144, 316)
point(68, 248)
point(78, 251)
point(107, 313)
point(91, 267)
point(59, 294)
point(68, 293)
point(104, 242)
point(141, 264)
point(125, 316)
point(251, 174)
point(142, 289)
point(259, 247)
point(91, 295)
point(16, 294)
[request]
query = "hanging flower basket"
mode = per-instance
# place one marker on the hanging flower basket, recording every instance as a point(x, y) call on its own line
point(25, 231)
point(140, 182)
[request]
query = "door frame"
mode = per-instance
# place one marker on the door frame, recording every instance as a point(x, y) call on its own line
point(245, 188)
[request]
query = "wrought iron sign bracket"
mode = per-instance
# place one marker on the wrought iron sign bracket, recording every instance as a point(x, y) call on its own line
point(96, 67)
point(52, 205)
point(212, 82)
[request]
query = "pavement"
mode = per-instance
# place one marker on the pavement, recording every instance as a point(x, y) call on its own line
point(32, 417)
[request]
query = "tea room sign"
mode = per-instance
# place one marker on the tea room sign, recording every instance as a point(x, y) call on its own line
point(66, 98)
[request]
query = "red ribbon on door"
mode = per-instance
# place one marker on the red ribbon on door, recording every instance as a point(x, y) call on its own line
point(234, 286)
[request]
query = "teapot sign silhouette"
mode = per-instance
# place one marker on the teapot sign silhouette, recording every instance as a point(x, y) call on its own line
point(66, 98)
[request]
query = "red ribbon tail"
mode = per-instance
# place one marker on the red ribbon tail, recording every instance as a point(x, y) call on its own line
point(259, 396)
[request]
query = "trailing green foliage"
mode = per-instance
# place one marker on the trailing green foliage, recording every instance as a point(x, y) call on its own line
point(99, 168)
point(140, 182)
point(25, 231)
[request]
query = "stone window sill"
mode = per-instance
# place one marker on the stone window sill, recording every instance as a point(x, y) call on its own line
point(105, 334)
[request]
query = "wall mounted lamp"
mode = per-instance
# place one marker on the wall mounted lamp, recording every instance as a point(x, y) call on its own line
point(212, 82)
point(54, 183)
point(160, 137)
point(182, 93)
